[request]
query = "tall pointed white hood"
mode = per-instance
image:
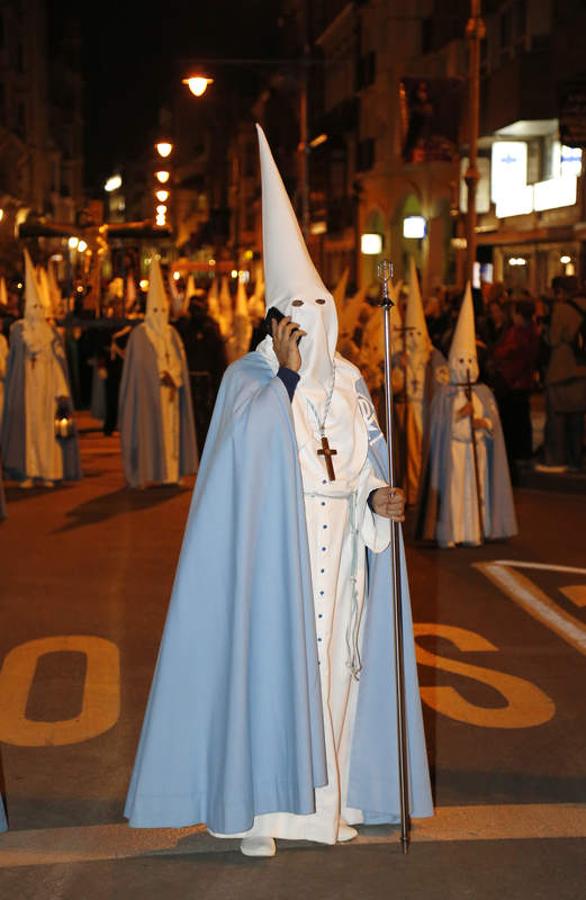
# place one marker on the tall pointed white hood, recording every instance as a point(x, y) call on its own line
point(37, 333)
point(463, 357)
point(417, 341)
point(157, 306)
point(292, 284)
point(213, 304)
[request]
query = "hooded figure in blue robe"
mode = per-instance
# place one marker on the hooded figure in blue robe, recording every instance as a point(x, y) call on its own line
point(38, 438)
point(466, 495)
point(272, 710)
point(157, 431)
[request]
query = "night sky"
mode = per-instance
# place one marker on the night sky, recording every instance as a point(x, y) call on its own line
point(131, 59)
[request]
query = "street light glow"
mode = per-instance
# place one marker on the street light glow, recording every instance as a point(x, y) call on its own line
point(318, 141)
point(72, 243)
point(161, 209)
point(414, 227)
point(113, 183)
point(164, 148)
point(197, 84)
point(82, 246)
point(162, 195)
point(371, 244)
point(162, 176)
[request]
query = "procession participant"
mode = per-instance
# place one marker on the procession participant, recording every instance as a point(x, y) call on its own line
point(156, 418)
point(420, 369)
point(272, 710)
point(206, 362)
point(39, 439)
point(466, 494)
point(226, 316)
point(3, 363)
point(242, 329)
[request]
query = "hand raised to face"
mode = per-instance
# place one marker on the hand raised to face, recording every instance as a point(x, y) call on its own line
point(285, 337)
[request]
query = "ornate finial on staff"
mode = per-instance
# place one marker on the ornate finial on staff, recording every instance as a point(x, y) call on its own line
point(384, 273)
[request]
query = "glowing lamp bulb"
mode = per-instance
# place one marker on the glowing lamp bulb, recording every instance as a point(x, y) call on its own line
point(162, 196)
point(162, 176)
point(164, 149)
point(198, 84)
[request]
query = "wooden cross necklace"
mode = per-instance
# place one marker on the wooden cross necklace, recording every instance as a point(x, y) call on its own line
point(326, 451)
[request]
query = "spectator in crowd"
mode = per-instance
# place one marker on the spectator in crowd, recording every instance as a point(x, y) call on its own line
point(565, 378)
point(512, 366)
point(206, 361)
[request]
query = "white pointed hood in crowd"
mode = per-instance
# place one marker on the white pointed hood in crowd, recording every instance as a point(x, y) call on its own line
point(417, 340)
point(37, 332)
point(292, 284)
point(463, 357)
point(157, 306)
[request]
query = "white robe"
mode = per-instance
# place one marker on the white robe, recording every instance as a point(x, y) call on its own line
point(44, 383)
point(340, 525)
point(168, 360)
point(463, 498)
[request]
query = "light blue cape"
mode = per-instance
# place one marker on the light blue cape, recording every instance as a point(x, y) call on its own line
point(13, 430)
point(433, 515)
point(234, 724)
point(140, 422)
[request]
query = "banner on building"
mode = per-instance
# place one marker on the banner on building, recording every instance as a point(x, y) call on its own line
point(573, 114)
point(430, 118)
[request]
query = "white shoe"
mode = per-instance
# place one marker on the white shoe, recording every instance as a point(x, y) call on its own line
point(258, 846)
point(345, 832)
point(26, 485)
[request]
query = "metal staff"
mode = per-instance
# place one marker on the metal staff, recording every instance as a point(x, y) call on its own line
point(468, 390)
point(384, 274)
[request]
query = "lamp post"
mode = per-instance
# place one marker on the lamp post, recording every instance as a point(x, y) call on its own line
point(475, 32)
point(198, 83)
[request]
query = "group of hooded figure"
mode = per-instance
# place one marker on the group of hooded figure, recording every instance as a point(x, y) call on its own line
point(449, 448)
point(272, 710)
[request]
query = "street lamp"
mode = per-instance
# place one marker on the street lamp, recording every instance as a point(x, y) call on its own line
point(162, 176)
point(197, 84)
point(162, 196)
point(164, 148)
point(113, 183)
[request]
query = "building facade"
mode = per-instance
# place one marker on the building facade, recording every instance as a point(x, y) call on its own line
point(41, 125)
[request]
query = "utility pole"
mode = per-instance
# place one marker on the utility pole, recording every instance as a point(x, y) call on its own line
point(475, 32)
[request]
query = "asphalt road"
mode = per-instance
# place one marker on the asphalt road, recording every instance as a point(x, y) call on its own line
point(85, 577)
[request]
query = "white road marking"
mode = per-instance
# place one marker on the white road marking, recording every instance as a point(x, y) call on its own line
point(550, 567)
point(534, 601)
point(51, 846)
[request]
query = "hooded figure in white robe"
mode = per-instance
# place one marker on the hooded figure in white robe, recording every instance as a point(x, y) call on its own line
point(466, 494)
point(421, 367)
point(156, 425)
point(226, 315)
point(239, 342)
point(37, 396)
point(282, 599)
